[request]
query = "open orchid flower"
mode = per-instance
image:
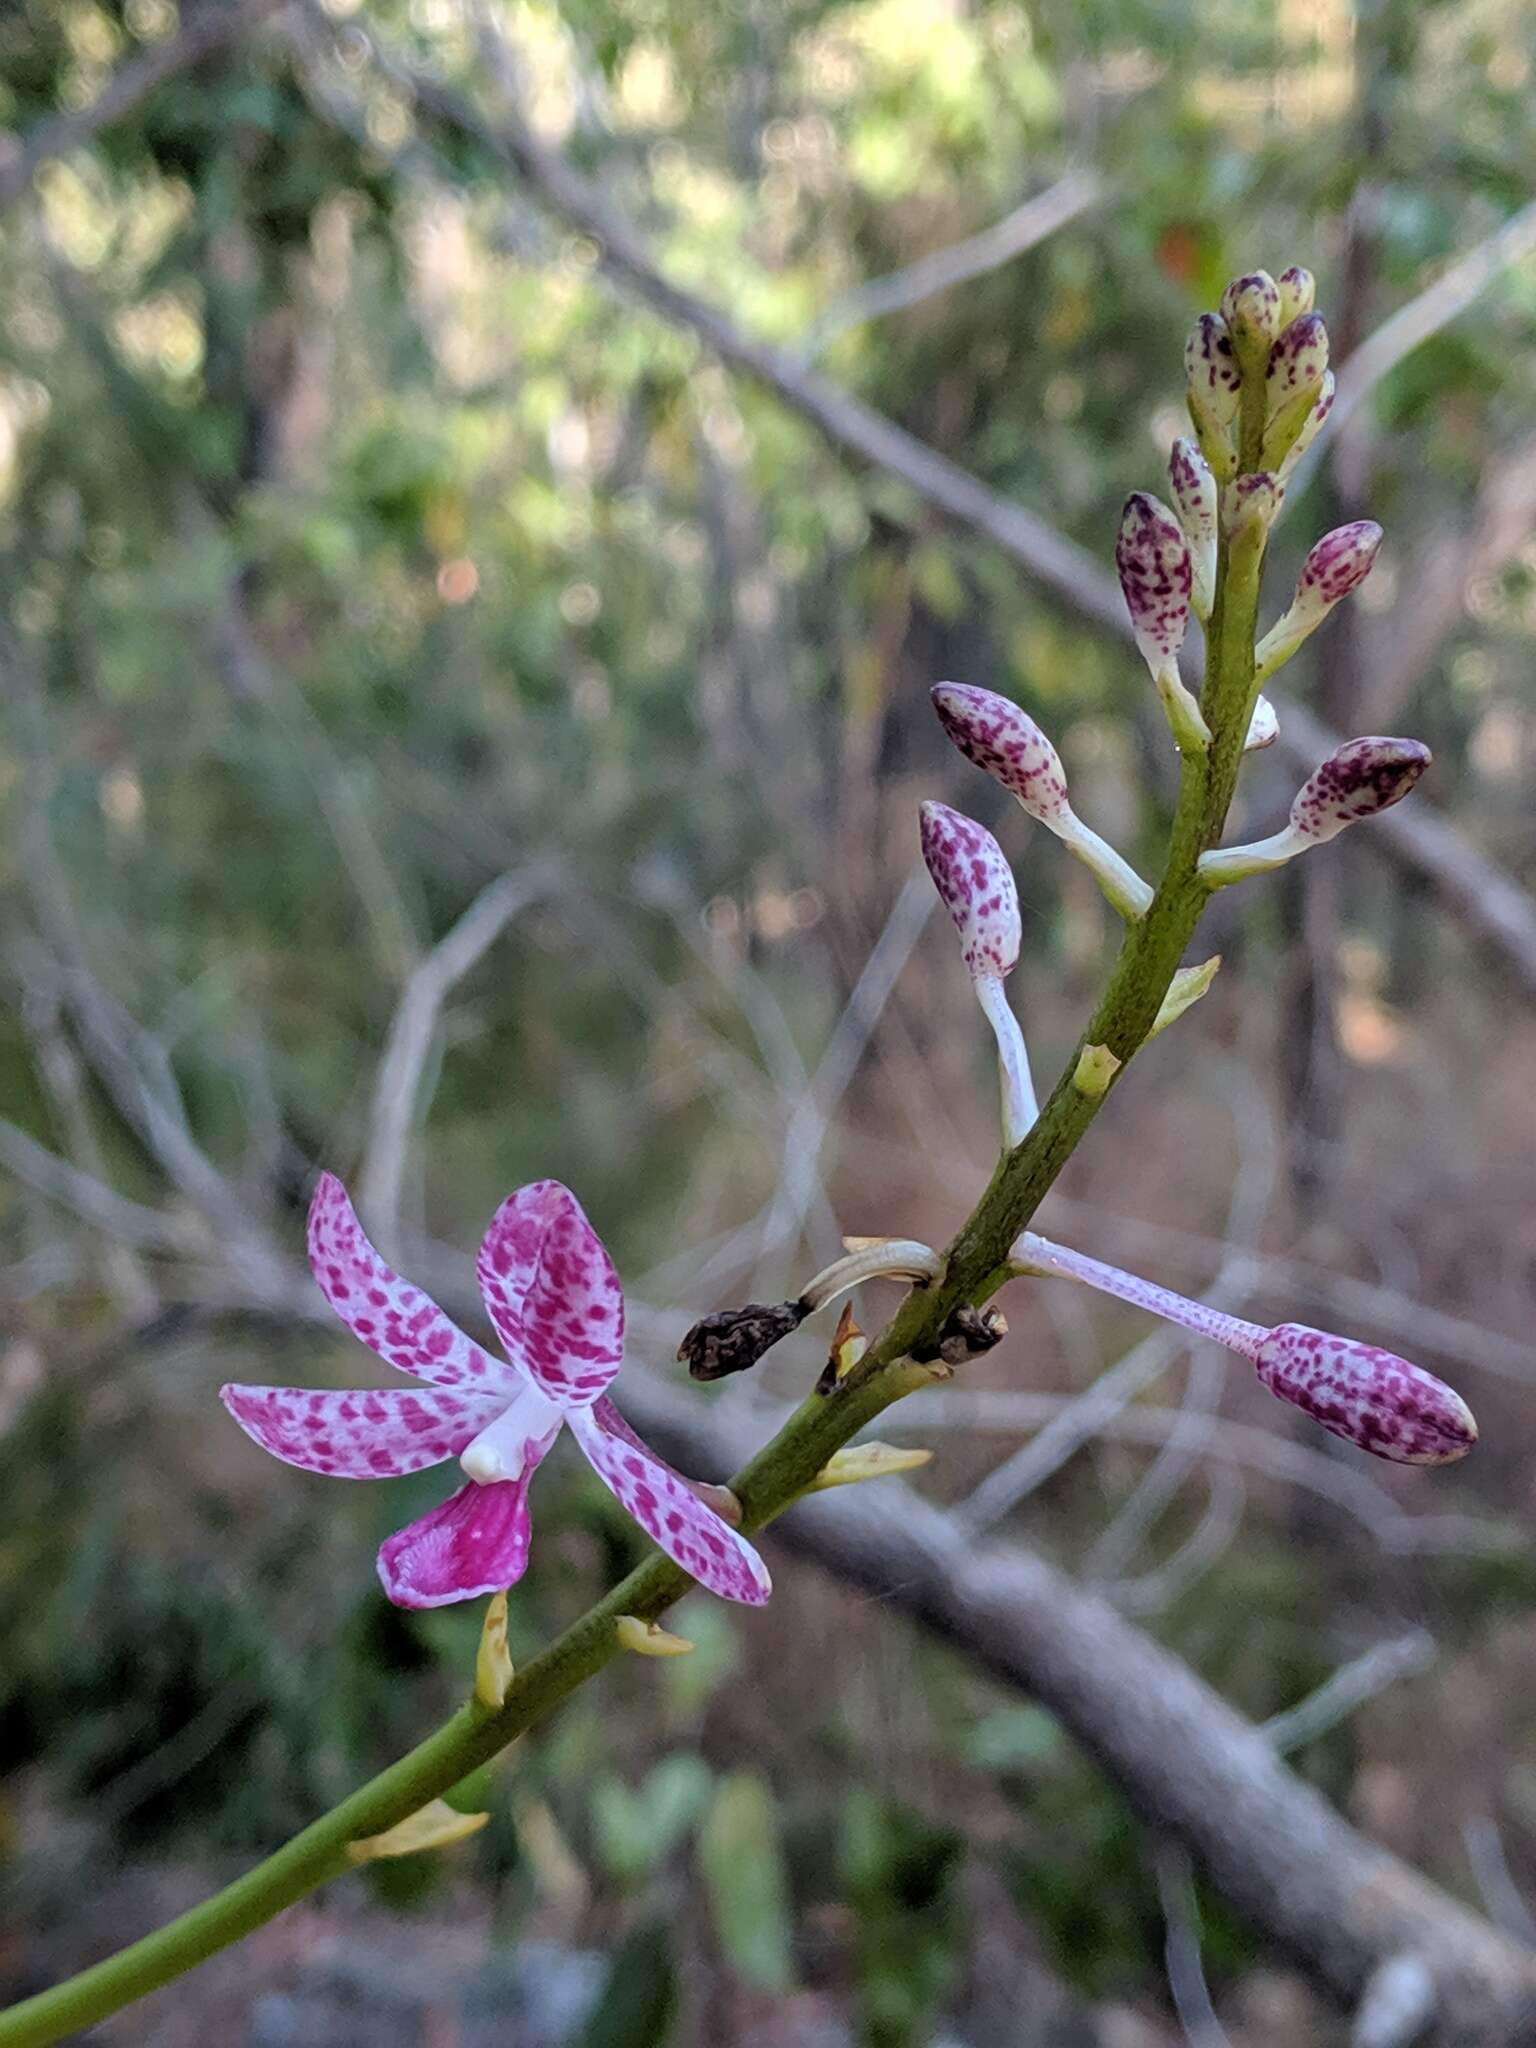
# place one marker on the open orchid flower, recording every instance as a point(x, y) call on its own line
point(1371, 1397)
point(1356, 781)
point(1337, 564)
point(1005, 743)
point(554, 1298)
point(977, 886)
point(1157, 579)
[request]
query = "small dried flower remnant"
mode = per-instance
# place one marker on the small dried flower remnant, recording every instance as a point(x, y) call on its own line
point(552, 1294)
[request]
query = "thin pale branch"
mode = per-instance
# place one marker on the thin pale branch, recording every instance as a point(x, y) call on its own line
point(213, 28)
point(412, 1030)
point(1029, 224)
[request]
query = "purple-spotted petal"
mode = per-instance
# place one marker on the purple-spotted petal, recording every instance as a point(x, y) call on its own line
point(552, 1293)
point(977, 885)
point(1371, 1397)
point(671, 1514)
point(404, 1326)
point(366, 1433)
point(474, 1542)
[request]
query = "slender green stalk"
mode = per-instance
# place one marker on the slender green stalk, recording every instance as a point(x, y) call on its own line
point(976, 1265)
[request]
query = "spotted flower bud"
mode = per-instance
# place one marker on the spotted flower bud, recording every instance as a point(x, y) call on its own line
point(1251, 308)
point(1371, 1397)
point(977, 888)
point(1195, 500)
point(1338, 564)
point(1298, 294)
point(1213, 390)
point(1357, 780)
point(1311, 427)
point(1368, 1396)
point(1005, 743)
point(1157, 577)
point(1298, 363)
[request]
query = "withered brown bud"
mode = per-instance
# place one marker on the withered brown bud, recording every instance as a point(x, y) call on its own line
point(734, 1339)
point(968, 1333)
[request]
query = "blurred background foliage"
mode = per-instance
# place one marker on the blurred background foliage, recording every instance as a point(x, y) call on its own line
point(359, 543)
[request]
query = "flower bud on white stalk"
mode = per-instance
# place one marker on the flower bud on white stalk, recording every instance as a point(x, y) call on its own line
point(1263, 727)
point(1251, 308)
point(1157, 576)
point(1368, 1396)
point(1298, 294)
point(1357, 780)
point(1338, 564)
point(1298, 363)
point(1311, 427)
point(1212, 392)
point(977, 886)
point(1004, 742)
point(1195, 499)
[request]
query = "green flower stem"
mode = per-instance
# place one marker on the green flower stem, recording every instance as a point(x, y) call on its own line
point(976, 1265)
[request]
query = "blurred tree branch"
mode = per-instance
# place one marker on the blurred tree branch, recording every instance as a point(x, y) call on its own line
point(1024, 228)
point(212, 28)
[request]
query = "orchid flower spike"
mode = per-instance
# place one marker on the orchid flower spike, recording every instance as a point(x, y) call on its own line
point(1004, 742)
point(1368, 1396)
point(1356, 781)
point(1157, 577)
point(1195, 500)
point(1338, 564)
point(1213, 391)
point(977, 886)
point(552, 1294)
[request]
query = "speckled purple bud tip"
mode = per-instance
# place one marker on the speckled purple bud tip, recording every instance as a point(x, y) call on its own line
point(1339, 563)
point(1210, 368)
point(1370, 1397)
point(977, 886)
point(1298, 293)
point(1194, 490)
point(1298, 360)
point(1357, 780)
point(1005, 742)
point(1152, 557)
point(1251, 306)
